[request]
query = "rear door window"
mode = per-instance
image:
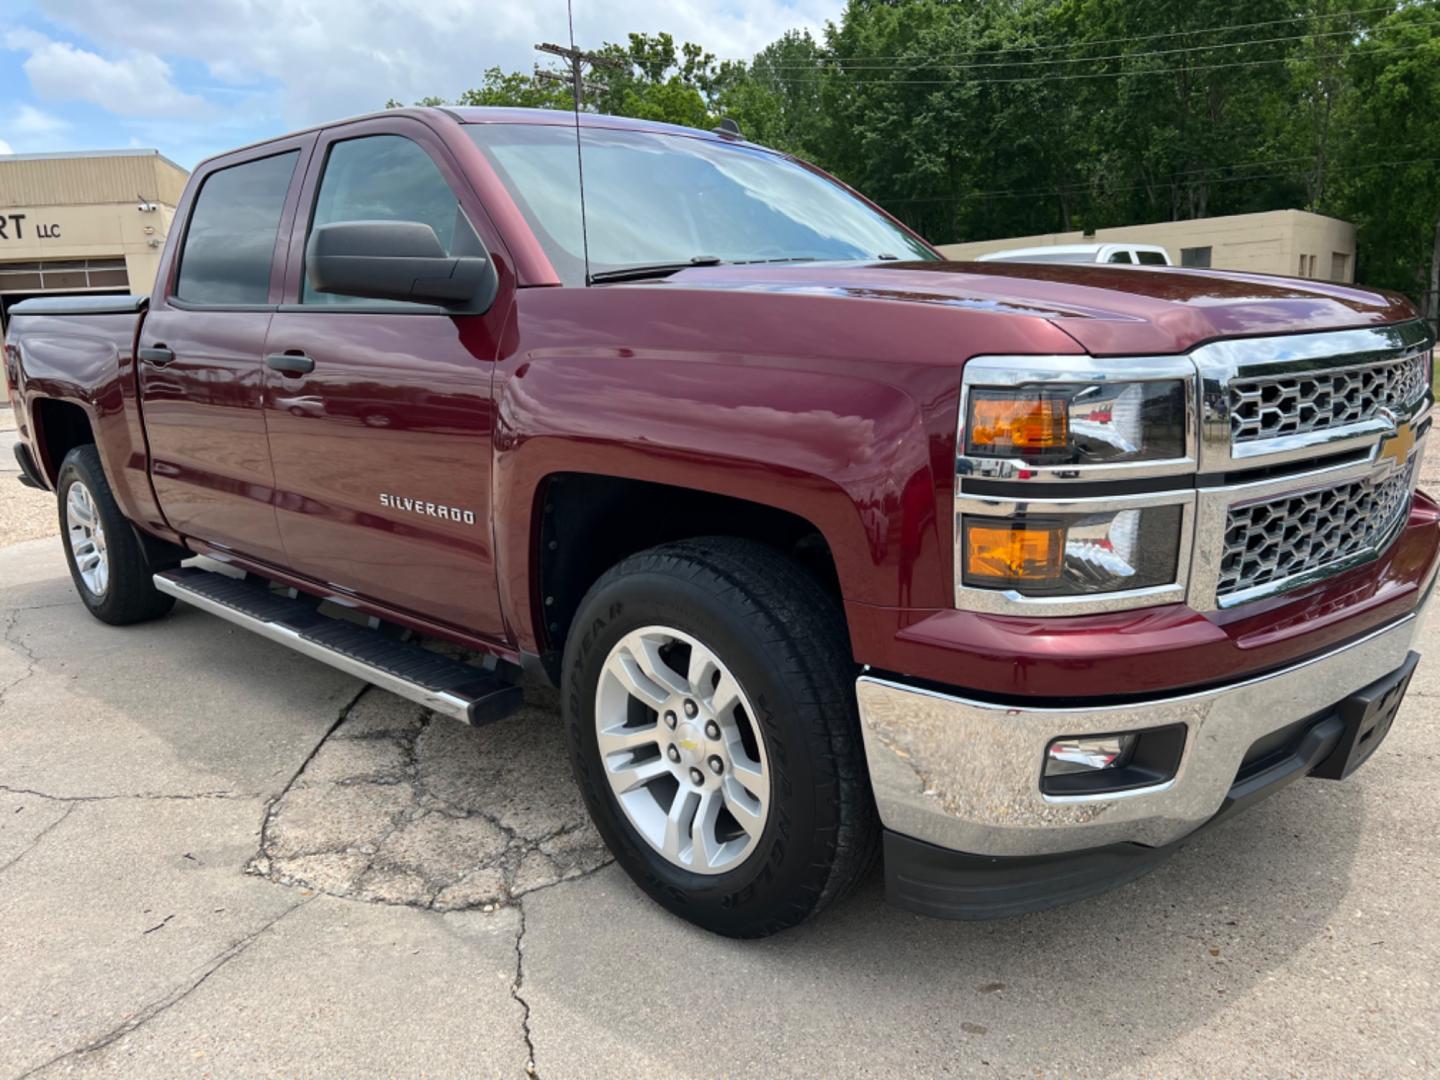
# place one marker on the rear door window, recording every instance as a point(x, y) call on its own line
point(230, 242)
point(1121, 257)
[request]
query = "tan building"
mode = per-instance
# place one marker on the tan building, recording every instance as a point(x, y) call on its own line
point(1293, 242)
point(90, 222)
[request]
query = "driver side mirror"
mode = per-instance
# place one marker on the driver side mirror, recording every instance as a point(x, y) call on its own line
point(397, 260)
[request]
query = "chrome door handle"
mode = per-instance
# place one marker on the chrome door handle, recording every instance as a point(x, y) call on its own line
point(158, 355)
point(290, 363)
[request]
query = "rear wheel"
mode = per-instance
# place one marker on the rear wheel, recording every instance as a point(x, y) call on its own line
point(106, 560)
point(710, 705)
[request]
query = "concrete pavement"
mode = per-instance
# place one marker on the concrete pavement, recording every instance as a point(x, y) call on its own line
point(219, 858)
point(24, 512)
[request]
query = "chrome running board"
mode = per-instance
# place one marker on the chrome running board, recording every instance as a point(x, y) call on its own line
point(448, 686)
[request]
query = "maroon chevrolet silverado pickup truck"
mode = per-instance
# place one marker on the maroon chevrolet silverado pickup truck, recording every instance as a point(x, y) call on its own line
point(1015, 575)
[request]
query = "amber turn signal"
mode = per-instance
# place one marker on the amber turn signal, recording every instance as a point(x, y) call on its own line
point(1013, 553)
point(1008, 424)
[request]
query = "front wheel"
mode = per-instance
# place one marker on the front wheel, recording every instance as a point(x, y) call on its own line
point(710, 707)
point(106, 560)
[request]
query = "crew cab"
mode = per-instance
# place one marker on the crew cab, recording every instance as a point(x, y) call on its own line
point(1016, 575)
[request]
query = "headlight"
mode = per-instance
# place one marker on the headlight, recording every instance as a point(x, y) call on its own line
point(1073, 554)
point(1080, 423)
point(1073, 483)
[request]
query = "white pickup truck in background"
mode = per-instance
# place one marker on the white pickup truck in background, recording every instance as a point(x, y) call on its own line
point(1124, 254)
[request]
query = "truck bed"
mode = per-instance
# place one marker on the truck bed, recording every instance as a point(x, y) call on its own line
point(69, 356)
point(126, 304)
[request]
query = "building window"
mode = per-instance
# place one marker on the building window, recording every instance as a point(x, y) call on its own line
point(1196, 256)
point(1339, 266)
point(63, 274)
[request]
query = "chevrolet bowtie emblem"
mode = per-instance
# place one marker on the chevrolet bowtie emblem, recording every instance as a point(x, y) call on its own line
point(1396, 446)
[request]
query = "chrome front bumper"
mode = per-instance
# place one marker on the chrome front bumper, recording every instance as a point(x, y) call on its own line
point(965, 774)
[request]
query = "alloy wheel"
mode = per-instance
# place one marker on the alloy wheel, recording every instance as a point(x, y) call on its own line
point(682, 750)
point(86, 535)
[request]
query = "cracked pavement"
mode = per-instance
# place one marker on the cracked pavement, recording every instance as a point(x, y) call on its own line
point(399, 806)
point(220, 858)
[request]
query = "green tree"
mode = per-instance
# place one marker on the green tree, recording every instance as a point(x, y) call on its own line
point(777, 99)
point(506, 88)
point(1388, 182)
point(972, 119)
point(654, 79)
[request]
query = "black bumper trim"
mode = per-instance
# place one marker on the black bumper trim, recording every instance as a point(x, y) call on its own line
point(29, 474)
point(939, 882)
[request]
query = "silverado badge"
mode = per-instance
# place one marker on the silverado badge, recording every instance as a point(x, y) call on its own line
point(428, 509)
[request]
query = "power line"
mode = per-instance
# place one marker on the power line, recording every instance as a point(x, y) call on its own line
point(1169, 181)
point(1057, 46)
point(845, 66)
point(1387, 50)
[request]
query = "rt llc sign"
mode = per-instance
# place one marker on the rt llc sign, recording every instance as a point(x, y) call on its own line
point(12, 227)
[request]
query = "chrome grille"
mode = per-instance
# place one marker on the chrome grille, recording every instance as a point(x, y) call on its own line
point(1316, 400)
point(1270, 542)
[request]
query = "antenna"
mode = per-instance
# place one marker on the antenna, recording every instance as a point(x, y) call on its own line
point(576, 60)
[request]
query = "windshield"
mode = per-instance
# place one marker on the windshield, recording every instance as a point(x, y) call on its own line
point(654, 198)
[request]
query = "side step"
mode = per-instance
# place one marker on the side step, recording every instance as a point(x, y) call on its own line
point(438, 682)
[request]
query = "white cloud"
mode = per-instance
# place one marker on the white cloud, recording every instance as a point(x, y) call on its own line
point(5, 148)
point(332, 58)
point(29, 121)
point(27, 128)
point(135, 83)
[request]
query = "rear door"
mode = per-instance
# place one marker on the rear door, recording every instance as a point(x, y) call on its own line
point(201, 351)
point(379, 412)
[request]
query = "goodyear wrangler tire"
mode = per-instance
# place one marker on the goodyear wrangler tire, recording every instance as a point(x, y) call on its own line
point(710, 710)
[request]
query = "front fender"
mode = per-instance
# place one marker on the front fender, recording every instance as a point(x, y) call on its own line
point(849, 454)
point(837, 408)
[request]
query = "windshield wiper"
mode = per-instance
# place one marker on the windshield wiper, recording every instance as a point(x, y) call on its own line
point(653, 270)
point(786, 259)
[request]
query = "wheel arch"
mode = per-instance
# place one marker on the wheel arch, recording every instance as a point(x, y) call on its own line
point(584, 523)
point(59, 426)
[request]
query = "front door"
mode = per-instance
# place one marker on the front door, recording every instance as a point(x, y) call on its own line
point(380, 413)
point(200, 350)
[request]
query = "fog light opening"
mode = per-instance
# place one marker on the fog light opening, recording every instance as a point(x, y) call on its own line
point(1103, 764)
point(1068, 756)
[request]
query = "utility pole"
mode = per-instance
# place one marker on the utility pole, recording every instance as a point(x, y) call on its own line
point(1432, 297)
point(577, 60)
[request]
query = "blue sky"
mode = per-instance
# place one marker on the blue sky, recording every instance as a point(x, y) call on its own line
point(191, 78)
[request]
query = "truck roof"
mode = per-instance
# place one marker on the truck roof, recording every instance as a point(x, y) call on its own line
point(477, 114)
point(470, 114)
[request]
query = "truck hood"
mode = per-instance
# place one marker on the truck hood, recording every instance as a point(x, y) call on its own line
point(1108, 310)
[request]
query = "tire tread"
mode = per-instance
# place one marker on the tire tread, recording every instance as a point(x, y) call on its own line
point(131, 596)
point(802, 628)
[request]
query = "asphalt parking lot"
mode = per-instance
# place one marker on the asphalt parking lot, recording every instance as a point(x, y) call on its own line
point(220, 858)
